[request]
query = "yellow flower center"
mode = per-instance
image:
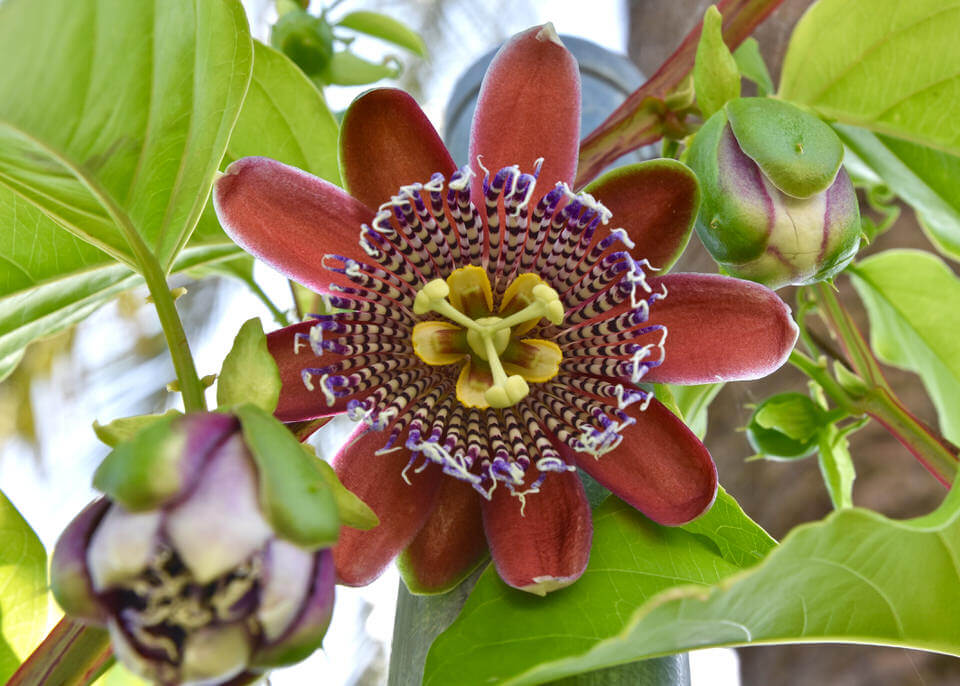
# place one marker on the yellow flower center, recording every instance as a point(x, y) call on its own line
point(497, 363)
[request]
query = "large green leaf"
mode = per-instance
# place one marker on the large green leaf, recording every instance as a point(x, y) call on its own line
point(114, 115)
point(648, 591)
point(887, 65)
point(925, 178)
point(912, 298)
point(56, 280)
point(23, 589)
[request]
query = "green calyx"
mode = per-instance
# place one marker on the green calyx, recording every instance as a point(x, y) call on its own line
point(146, 471)
point(798, 152)
point(294, 495)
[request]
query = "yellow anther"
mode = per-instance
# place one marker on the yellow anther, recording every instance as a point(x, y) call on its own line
point(545, 293)
point(508, 393)
point(430, 295)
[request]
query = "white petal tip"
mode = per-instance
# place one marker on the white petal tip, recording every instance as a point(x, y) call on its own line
point(542, 585)
point(548, 33)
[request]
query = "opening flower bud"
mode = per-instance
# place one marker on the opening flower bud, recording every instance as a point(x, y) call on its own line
point(786, 426)
point(184, 562)
point(778, 208)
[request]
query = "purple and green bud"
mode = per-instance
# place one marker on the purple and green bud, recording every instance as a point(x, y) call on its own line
point(778, 208)
point(209, 553)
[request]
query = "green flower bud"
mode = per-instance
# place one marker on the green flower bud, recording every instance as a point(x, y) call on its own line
point(777, 206)
point(786, 426)
point(305, 39)
point(185, 565)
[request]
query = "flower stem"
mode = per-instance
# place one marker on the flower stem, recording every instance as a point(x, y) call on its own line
point(71, 655)
point(866, 391)
point(643, 117)
point(190, 387)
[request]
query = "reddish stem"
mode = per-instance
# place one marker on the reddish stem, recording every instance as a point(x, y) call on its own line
point(71, 655)
point(635, 123)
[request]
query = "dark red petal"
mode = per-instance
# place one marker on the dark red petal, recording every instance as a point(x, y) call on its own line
point(548, 546)
point(529, 107)
point(451, 543)
point(660, 467)
point(386, 141)
point(402, 508)
point(297, 403)
point(289, 218)
point(656, 202)
point(719, 329)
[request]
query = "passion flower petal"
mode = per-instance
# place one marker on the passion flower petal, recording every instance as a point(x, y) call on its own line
point(450, 544)
point(528, 108)
point(386, 141)
point(660, 467)
point(719, 329)
point(220, 524)
point(545, 544)
point(379, 481)
point(288, 218)
point(70, 579)
point(655, 202)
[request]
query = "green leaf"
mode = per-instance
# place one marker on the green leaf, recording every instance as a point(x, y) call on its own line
point(295, 497)
point(386, 28)
point(118, 675)
point(908, 295)
point(715, 74)
point(58, 280)
point(353, 511)
point(23, 589)
point(126, 428)
point(836, 466)
point(285, 117)
point(751, 65)
point(249, 373)
point(346, 69)
point(925, 178)
point(887, 65)
point(45, 308)
point(649, 591)
point(693, 402)
point(114, 115)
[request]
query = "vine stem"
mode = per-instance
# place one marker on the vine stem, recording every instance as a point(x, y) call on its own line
point(871, 394)
point(643, 116)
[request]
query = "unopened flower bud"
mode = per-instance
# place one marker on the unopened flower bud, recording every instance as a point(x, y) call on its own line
point(786, 426)
point(777, 206)
point(305, 39)
point(189, 562)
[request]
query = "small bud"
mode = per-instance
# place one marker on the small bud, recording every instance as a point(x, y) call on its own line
point(305, 39)
point(777, 206)
point(190, 562)
point(786, 426)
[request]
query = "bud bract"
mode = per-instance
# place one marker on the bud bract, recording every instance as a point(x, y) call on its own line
point(188, 565)
point(778, 208)
point(786, 426)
